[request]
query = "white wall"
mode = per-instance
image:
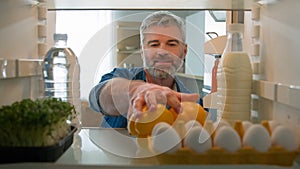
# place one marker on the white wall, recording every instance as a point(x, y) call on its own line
point(195, 35)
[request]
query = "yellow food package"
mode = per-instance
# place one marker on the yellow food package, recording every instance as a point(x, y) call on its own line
point(143, 125)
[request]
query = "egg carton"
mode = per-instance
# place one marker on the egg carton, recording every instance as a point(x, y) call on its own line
point(216, 155)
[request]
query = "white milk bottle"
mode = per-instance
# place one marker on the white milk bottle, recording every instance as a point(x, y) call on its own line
point(234, 78)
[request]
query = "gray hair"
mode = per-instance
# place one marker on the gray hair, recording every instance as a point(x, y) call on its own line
point(162, 18)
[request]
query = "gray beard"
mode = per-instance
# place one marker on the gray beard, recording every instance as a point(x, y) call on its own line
point(160, 74)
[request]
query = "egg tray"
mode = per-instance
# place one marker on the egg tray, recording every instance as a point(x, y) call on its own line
point(217, 155)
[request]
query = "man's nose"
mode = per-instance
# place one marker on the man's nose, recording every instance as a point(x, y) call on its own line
point(162, 52)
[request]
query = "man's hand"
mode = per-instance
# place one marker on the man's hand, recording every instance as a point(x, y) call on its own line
point(150, 95)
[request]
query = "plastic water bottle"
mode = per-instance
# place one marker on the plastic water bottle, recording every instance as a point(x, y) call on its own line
point(61, 73)
point(234, 78)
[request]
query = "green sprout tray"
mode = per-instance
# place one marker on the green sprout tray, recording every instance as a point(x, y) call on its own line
point(36, 154)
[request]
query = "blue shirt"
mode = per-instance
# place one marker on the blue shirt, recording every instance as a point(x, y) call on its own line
point(137, 73)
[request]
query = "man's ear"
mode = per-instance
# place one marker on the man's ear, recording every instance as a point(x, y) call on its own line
point(185, 50)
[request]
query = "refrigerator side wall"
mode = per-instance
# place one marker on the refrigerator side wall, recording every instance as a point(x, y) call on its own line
point(280, 60)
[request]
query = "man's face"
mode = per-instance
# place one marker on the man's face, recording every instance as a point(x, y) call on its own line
point(163, 50)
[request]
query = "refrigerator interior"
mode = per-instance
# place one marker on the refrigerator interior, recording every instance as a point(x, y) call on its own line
point(275, 56)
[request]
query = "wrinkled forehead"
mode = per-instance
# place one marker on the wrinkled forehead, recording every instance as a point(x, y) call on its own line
point(170, 31)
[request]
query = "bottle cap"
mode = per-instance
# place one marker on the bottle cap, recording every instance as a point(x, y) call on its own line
point(217, 56)
point(235, 27)
point(58, 36)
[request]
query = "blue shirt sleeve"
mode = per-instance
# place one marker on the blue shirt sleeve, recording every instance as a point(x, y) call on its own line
point(130, 74)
